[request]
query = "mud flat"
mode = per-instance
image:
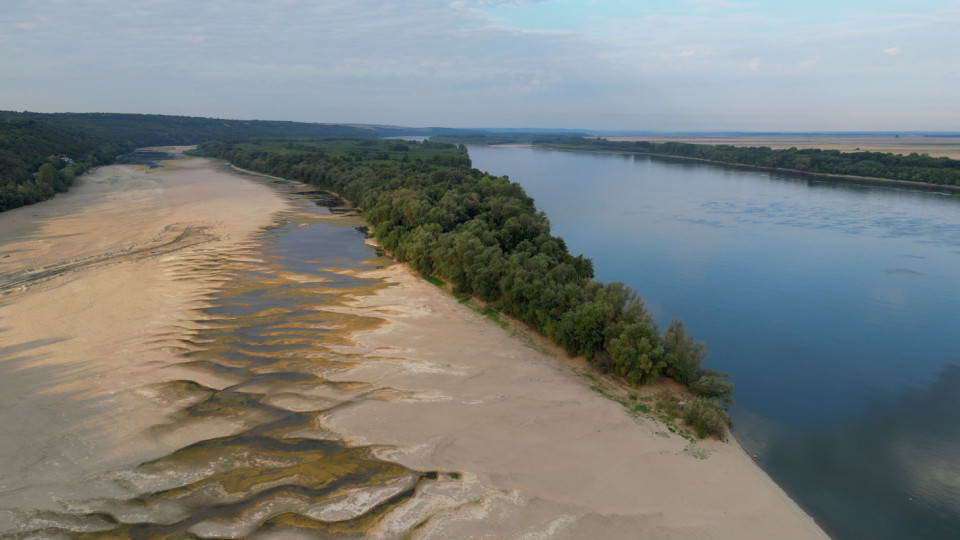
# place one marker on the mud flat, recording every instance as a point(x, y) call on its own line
point(189, 352)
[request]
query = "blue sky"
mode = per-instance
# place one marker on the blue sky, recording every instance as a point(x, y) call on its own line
point(596, 64)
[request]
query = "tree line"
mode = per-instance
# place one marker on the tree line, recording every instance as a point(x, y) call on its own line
point(41, 153)
point(37, 161)
point(483, 234)
point(918, 168)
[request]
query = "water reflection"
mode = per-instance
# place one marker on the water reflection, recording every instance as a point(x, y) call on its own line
point(897, 464)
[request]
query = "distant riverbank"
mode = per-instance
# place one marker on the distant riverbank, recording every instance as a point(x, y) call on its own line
point(858, 166)
point(937, 146)
point(849, 178)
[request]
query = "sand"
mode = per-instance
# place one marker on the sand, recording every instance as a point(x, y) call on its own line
point(99, 283)
point(94, 279)
point(484, 401)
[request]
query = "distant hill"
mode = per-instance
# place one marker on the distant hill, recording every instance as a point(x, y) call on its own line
point(41, 153)
point(141, 130)
point(37, 161)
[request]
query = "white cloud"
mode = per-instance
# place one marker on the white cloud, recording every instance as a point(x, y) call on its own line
point(443, 62)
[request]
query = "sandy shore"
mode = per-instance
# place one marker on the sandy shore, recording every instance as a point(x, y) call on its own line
point(100, 284)
point(559, 456)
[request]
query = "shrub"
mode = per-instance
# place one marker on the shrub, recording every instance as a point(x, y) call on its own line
point(706, 416)
point(713, 385)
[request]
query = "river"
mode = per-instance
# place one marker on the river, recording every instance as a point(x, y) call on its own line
point(833, 305)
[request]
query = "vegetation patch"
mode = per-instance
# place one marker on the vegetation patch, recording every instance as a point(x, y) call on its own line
point(433, 280)
point(696, 451)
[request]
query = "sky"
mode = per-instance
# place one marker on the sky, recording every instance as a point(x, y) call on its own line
point(646, 65)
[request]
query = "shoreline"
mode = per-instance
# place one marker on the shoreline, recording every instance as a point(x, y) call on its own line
point(705, 486)
point(605, 386)
point(947, 146)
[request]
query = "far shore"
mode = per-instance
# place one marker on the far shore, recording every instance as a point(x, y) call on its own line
point(846, 178)
point(903, 144)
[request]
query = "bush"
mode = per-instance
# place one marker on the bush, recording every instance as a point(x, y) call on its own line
point(713, 385)
point(706, 416)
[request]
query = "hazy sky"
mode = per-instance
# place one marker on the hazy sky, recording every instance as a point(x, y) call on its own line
point(601, 64)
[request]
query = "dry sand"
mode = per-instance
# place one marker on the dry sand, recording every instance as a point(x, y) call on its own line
point(560, 456)
point(98, 282)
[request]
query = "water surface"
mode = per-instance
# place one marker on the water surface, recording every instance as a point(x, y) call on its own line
point(833, 305)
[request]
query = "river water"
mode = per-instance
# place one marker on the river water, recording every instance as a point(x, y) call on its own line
point(833, 305)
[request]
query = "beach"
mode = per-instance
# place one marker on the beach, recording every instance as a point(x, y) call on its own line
point(100, 299)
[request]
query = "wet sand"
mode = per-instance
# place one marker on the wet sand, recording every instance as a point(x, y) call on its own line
point(97, 283)
point(463, 429)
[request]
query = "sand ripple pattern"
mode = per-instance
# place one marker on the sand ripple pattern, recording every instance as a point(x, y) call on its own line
point(171, 239)
point(263, 463)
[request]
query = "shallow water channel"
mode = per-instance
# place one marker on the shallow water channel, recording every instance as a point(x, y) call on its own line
point(833, 305)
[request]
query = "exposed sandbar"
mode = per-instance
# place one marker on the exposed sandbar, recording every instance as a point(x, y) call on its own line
point(106, 278)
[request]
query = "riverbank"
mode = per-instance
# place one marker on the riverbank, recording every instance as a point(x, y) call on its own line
point(844, 178)
point(523, 445)
point(549, 450)
point(937, 146)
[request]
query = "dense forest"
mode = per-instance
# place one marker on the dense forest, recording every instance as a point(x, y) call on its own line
point(37, 161)
point(483, 234)
point(919, 168)
point(41, 153)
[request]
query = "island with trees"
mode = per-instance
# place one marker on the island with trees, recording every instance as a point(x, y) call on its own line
point(482, 234)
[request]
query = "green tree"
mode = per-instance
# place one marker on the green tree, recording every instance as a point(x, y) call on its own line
point(682, 354)
point(706, 416)
point(636, 353)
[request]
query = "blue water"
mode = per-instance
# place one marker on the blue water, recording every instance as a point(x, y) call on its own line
point(834, 306)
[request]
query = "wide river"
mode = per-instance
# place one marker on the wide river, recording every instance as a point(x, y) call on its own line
point(835, 307)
